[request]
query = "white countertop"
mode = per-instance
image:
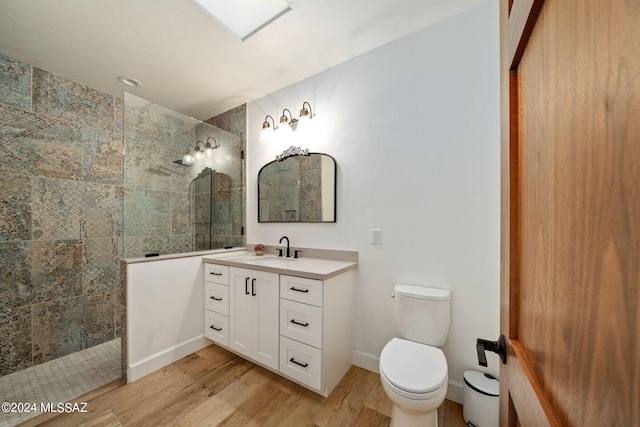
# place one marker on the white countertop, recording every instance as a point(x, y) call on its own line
point(312, 268)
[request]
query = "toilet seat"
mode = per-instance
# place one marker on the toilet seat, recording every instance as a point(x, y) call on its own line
point(413, 370)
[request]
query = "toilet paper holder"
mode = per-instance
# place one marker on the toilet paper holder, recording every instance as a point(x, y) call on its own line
point(499, 347)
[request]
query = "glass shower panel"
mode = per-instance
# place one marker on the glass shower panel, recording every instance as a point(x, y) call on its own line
point(169, 207)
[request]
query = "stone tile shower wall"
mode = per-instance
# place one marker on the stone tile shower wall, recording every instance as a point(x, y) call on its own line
point(164, 203)
point(232, 191)
point(60, 211)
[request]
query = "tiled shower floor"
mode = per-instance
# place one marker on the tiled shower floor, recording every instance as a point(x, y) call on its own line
point(60, 380)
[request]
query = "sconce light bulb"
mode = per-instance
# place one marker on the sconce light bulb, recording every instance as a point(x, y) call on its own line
point(284, 125)
point(187, 159)
point(198, 155)
point(208, 149)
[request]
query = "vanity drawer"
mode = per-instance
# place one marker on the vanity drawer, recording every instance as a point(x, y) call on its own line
point(216, 273)
point(301, 362)
point(301, 322)
point(216, 298)
point(216, 327)
point(308, 291)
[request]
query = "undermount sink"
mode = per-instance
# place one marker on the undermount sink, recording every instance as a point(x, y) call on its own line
point(273, 262)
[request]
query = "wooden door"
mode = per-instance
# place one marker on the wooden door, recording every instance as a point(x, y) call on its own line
point(570, 286)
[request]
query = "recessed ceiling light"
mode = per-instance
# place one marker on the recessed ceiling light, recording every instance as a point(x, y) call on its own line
point(129, 81)
point(242, 18)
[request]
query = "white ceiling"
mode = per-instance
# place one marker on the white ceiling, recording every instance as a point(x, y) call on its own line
point(186, 61)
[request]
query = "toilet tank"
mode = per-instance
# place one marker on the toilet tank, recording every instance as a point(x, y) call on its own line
point(422, 313)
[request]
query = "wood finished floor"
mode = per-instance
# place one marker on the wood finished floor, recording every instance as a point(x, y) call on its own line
point(214, 387)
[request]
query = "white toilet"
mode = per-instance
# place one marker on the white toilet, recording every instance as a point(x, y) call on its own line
point(413, 370)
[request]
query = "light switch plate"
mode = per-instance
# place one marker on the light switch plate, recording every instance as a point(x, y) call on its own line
point(376, 236)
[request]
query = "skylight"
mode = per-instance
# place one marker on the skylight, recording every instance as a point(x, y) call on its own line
point(242, 18)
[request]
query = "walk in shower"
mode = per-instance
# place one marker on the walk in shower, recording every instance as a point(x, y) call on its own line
point(85, 180)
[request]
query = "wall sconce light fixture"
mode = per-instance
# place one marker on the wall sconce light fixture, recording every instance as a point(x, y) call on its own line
point(200, 151)
point(305, 117)
point(267, 129)
point(187, 159)
point(306, 113)
point(208, 147)
point(287, 124)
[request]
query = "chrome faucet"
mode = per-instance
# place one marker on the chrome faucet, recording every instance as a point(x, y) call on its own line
point(288, 249)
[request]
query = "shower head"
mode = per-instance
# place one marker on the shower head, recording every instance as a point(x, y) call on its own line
point(179, 162)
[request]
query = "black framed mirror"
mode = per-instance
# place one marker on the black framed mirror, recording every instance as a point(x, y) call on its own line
point(299, 187)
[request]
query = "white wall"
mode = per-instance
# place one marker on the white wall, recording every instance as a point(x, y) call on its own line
point(165, 315)
point(414, 129)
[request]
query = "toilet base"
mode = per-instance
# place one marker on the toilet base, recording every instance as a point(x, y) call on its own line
point(403, 418)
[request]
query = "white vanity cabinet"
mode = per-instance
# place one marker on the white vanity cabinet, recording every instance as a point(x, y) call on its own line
point(253, 312)
point(216, 314)
point(316, 319)
point(292, 317)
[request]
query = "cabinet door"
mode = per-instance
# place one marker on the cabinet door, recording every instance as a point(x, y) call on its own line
point(240, 311)
point(265, 290)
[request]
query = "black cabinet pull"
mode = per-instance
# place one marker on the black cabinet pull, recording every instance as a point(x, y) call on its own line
point(253, 287)
point(304, 365)
point(246, 286)
point(298, 323)
point(299, 290)
point(214, 298)
point(215, 329)
point(215, 274)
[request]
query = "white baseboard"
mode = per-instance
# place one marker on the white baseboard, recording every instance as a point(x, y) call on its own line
point(455, 389)
point(161, 359)
point(366, 361)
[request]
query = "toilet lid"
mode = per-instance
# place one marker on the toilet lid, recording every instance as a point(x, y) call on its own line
point(413, 367)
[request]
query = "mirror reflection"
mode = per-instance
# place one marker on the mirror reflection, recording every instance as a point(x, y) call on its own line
point(171, 207)
point(298, 188)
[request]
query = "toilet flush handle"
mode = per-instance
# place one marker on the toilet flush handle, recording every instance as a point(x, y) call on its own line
point(499, 347)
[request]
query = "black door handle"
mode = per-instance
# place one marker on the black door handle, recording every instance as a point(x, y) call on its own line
point(253, 287)
point(246, 286)
point(499, 347)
